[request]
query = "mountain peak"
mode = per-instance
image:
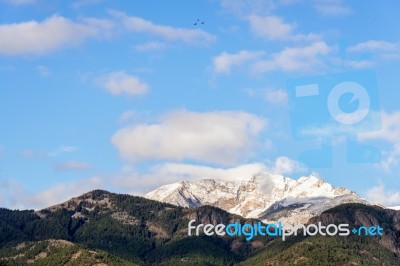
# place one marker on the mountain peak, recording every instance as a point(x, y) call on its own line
point(91, 199)
point(258, 196)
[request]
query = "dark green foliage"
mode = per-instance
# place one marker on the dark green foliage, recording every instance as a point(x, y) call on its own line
point(133, 239)
point(123, 229)
point(324, 251)
point(105, 233)
point(17, 226)
point(45, 253)
point(348, 211)
point(213, 250)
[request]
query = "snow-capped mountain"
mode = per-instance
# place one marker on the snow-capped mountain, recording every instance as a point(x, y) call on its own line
point(265, 196)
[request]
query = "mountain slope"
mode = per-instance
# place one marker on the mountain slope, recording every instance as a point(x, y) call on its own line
point(265, 196)
point(57, 252)
point(102, 227)
point(351, 250)
point(132, 228)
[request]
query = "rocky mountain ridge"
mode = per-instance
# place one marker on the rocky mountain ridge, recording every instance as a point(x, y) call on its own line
point(269, 197)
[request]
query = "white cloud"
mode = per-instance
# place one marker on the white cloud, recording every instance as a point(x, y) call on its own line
point(72, 166)
point(312, 57)
point(127, 115)
point(276, 96)
point(359, 64)
point(105, 28)
point(390, 133)
point(379, 194)
point(33, 37)
point(271, 27)
point(216, 137)
point(271, 96)
point(167, 173)
point(83, 3)
point(284, 165)
point(390, 160)
point(373, 45)
point(274, 28)
point(31, 154)
point(188, 171)
point(19, 2)
point(251, 92)
point(150, 46)
point(331, 8)
point(118, 83)
point(390, 130)
point(15, 196)
point(245, 7)
point(62, 149)
point(35, 154)
point(137, 24)
point(384, 50)
point(294, 59)
point(225, 61)
point(43, 70)
point(346, 127)
point(291, 59)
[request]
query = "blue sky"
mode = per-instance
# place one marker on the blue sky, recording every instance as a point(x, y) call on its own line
point(127, 97)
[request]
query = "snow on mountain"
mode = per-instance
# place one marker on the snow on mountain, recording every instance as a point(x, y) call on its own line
point(269, 197)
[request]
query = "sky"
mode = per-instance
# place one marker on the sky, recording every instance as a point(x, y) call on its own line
point(128, 96)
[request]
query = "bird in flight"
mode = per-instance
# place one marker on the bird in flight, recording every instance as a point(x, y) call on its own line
point(199, 22)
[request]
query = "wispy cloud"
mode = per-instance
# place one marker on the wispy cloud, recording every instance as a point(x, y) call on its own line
point(390, 133)
point(33, 37)
point(169, 33)
point(19, 2)
point(303, 59)
point(271, 95)
point(32, 154)
point(331, 8)
point(276, 96)
point(383, 50)
point(37, 154)
point(150, 46)
point(84, 3)
point(72, 166)
point(381, 195)
point(119, 83)
point(390, 128)
point(223, 63)
point(16, 196)
point(43, 71)
point(167, 173)
point(374, 45)
point(245, 8)
point(62, 149)
point(127, 116)
point(274, 28)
